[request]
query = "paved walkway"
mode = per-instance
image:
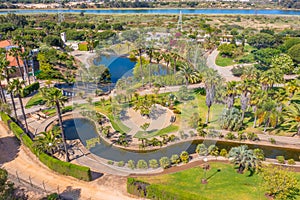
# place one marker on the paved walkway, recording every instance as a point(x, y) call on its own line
point(224, 71)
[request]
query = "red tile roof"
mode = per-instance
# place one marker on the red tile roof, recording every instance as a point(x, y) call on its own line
point(12, 60)
point(5, 43)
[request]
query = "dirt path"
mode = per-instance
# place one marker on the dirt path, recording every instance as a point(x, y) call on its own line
point(18, 158)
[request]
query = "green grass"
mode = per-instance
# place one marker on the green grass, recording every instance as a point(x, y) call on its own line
point(52, 111)
point(224, 61)
point(118, 125)
point(36, 99)
point(226, 184)
point(150, 134)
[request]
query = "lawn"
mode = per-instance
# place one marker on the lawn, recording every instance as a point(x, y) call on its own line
point(226, 184)
point(246, 57)
point(149, 134)
point(224, 61)
point(36, 99)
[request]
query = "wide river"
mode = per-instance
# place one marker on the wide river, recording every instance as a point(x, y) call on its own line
point(161, 11)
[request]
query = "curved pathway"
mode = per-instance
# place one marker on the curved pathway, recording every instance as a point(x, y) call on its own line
point(224, 71)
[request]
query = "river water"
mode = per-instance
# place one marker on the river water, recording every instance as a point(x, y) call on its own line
point(84, 130)
point(161, 11)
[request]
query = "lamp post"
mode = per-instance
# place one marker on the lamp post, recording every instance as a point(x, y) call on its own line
point(205, 168)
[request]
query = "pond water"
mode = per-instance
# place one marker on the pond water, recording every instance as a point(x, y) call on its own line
point(161, 11)
point(118, 66)
point(84, 130)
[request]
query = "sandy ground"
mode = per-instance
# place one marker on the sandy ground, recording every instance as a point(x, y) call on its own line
point(18, 158)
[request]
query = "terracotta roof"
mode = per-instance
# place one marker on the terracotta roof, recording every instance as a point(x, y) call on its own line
point(5, 43)
point(13, 61)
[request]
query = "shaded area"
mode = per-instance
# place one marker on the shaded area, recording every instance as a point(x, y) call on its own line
point(9, 148)
point(71, 193)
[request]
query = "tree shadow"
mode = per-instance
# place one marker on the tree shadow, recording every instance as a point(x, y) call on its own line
point(71, 194)
point(96, 175)
point(9, 148)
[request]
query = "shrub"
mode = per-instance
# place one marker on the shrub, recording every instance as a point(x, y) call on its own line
point(272, 140)
point(230, 136)
point(223, 152)
point(291, 162)
point(131, 164)
point(237, 71)
point(110, 162)
point(153, 163)
point(136, 187)
point(27, 90)
point(241, 136)
point(83, 47)
point(252, 136)
point(184, 156)
point(121, 164)
point(259, 153)
point(201, 149)
point(230, 119)
point(280, 159)
point(213, 150)
point(142, 164)
point(175, 159)
point(164, 162)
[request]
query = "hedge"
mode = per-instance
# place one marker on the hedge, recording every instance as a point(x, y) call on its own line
point(30, 88)
point(65, 168)
point(83, 47)
point(159, 192)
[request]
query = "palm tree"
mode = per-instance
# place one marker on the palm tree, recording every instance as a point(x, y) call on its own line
point(188, 74)
point(25, 56)
point(255, 100)
point(167, 59)
point(4, 107)
point(270, 77)
point(268, 113)
point(3, 65)
point(48, 142)
point(15, 52)
point(54, 97)
point(16, 87)
point(249, 73)
point(291, 116)
point(243, 158)
point(244, 89)
point(231, 92)
point(292, 87)
point(211, 80)
point(5, 73)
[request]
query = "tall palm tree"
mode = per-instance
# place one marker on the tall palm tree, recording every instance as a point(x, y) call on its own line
point(250, 73)
point(54, 97)
point(211, 80)
point(188, 74)
point(291, 116)
point(15, 52)
point(243, 158)
point(167, 59)
point(292, 87)
point(244, 89)
point(256, 99)
point(25, 57)
point(3, 65)
point(231, 92)
point(16, 86)
point(268, 114)
point(48, 142)
point(8, 71)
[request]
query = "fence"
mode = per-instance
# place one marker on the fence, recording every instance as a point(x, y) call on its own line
point(42, 188)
